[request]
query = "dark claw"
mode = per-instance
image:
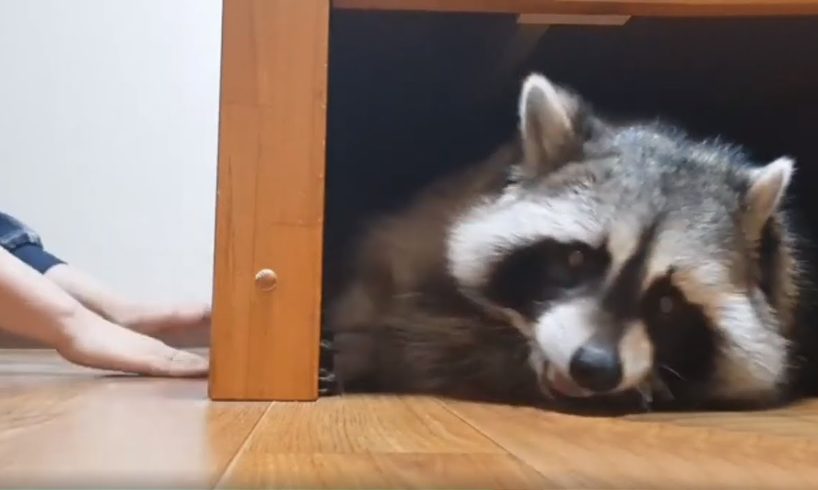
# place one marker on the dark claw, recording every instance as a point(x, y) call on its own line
point(327, 383)
point(326, 345)
point(326, 354)
point(326, 375)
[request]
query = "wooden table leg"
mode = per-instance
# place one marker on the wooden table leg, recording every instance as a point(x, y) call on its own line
point(270, 206)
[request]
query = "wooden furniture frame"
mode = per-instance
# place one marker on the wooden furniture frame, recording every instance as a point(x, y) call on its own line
point(270, 206)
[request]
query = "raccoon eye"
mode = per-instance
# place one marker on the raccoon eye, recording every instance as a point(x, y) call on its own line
point(576, 259)
point(662, 301)
point(511, 178)
point(666, 305)
point(528, 278)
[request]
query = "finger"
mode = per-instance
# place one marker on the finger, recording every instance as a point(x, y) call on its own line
point(101, 344)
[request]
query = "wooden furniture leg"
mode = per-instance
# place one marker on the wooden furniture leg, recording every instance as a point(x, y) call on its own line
point(270, 206)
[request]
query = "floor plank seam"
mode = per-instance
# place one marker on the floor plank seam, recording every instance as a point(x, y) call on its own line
point(235, 457)
point(505, 450)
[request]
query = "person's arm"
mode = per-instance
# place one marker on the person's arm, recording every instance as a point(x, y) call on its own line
point(32, 306)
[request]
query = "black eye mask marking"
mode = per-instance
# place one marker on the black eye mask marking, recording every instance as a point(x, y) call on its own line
point(768, 249)
point(528, 278)
point(685, 342)
point(622, 299)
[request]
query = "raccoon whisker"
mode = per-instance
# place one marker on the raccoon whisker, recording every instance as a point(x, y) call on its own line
point(547, 393)
point(647, 404)
point(660, 388)
point(407, 295)
point(672, 371)
point(645, 391)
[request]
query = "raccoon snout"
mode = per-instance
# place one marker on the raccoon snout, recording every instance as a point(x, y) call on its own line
point(597, 369)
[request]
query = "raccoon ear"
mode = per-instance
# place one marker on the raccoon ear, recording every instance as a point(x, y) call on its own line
point(546, 123)
point(768, 185)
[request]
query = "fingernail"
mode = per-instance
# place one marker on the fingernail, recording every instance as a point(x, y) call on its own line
point(189, 364)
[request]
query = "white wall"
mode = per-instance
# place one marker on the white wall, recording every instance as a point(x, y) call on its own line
point(108, 136)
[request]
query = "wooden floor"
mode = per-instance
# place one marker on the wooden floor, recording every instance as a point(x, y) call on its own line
point(62, 426)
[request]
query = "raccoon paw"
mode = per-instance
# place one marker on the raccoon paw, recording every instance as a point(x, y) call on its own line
point(326, 353)
point(327, 381)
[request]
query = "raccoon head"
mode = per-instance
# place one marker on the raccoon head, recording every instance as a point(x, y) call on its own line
point(631, 256)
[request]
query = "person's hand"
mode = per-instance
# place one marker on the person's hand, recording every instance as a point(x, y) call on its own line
point(35, 307)
point(94, 342)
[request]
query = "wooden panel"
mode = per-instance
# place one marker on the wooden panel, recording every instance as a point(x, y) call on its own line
point(372, 442)
point(291, 160)
point(63, 426)
point(767, 423)
point(584, 452)
point(383, 471)
point(281, 353)
point(651, 8)
point(271, 198)
point(366, 424)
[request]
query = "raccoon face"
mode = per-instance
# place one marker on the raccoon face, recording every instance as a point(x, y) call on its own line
point(630, 257)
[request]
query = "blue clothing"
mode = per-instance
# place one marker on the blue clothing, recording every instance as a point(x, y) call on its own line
point(25, 244)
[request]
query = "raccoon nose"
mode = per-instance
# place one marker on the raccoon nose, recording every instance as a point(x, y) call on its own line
point(596, 368)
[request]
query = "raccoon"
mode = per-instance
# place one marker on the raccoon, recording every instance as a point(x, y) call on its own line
point(585, 260)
